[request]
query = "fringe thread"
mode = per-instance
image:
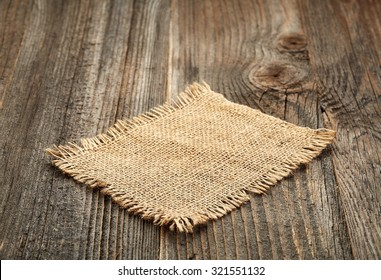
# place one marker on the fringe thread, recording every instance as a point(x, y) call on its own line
point(63, 153)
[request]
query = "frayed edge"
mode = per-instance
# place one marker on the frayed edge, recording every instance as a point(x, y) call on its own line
point(174, 221)
point(320, 139)
point(158, 216)
point(318, 142)
point(190, 95)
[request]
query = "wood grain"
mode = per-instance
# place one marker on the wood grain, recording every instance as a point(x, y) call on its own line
point(70, 69)
point(349, 81)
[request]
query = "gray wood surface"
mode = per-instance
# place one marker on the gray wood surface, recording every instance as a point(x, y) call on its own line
point(70, 69)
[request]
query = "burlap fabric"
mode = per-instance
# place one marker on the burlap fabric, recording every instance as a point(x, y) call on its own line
point(195, 159)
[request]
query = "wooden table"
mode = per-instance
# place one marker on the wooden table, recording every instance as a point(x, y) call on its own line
point(70, 69)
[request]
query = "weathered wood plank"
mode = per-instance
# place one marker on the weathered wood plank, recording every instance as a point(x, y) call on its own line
point(349, 78)
point(70, 69)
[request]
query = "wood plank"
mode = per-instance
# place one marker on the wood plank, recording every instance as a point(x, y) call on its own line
point(70, 69)
point(349, 80)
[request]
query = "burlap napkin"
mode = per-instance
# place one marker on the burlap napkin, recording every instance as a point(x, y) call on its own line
point(195, 159)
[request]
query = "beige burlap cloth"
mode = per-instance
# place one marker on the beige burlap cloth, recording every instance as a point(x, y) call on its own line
point(195, 159)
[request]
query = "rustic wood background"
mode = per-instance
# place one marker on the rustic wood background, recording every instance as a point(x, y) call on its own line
point(70, 69)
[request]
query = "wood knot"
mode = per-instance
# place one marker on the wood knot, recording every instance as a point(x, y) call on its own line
point(292, 42)
point(278, 76)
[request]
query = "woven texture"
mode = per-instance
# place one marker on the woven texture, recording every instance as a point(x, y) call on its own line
point(195, 159)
